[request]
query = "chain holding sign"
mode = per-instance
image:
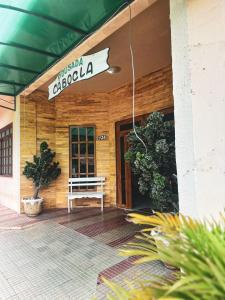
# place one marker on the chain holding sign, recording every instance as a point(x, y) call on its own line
point(83, 68)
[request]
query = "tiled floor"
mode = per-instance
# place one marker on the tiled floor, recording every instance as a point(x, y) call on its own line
point(61, 256)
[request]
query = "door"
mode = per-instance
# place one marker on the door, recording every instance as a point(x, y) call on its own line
point(127, 187)
point(123, 172)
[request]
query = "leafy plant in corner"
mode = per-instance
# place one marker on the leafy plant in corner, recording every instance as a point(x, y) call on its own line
point(156, 168)
point(194, 247)
point(43, 170)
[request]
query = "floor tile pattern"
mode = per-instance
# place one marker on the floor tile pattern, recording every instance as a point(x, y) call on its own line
point(61, 256)
point(133, 275)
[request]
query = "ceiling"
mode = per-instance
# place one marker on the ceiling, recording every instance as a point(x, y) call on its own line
point(35, 34)
point(151, 45)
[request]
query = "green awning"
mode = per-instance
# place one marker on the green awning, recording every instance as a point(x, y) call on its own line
point(34, 34)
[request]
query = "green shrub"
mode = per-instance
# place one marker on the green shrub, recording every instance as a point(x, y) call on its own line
point(43, 170)
point(156, 169)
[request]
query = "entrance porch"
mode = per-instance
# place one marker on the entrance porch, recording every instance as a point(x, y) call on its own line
point(84, 124)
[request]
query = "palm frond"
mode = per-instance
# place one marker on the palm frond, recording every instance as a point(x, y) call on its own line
point(195, 247)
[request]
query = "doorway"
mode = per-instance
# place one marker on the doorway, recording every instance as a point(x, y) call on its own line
point(128, 195)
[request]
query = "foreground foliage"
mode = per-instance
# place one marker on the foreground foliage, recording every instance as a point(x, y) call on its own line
point(196, 248)
point(156, 168)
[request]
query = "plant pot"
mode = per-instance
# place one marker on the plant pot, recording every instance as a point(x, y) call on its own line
point(32, 207)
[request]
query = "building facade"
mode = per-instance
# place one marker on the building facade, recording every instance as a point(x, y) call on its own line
point(178, 48)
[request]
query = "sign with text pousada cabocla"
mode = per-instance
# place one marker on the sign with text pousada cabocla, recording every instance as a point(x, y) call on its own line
point(82, 68)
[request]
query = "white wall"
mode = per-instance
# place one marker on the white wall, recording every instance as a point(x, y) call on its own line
point(10, 186)
point(198, 58)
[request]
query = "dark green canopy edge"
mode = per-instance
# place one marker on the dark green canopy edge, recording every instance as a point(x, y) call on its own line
point(37, 33)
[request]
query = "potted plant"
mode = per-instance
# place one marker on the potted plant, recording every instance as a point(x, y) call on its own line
point(42, 171)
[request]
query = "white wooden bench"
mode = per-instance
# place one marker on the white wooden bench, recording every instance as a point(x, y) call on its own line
point(79, 183)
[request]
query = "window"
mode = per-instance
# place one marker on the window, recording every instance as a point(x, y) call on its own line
point(6, 151)
point(82, 151)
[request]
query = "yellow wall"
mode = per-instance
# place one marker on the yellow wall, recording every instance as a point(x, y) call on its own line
point(50, 121)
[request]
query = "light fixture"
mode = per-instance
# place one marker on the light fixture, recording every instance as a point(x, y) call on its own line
point(114, 70)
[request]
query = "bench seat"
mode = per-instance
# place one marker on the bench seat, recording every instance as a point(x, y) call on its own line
point(85, 195)
point(95, 182)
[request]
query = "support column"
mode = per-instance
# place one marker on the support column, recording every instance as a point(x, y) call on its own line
point(198, 47)
point(16, 154)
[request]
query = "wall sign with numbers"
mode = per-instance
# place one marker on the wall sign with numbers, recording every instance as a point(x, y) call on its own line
point(102, 137)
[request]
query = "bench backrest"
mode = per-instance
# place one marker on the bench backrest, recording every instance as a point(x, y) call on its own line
point(86, 181)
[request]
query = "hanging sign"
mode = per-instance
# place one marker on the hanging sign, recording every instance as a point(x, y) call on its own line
point(82, 68)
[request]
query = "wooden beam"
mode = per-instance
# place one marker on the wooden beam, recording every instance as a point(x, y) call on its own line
point(137, 7)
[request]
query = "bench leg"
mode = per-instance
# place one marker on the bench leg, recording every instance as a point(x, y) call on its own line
point(68, 206)
point(102, 204)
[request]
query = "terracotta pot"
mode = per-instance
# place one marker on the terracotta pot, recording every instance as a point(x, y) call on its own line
point(32, 207)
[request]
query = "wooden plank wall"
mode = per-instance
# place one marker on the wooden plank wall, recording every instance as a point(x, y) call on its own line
point(50, 121)
point(37, 123)
point(27, 141)
point(80, 110)
point(154, 92)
